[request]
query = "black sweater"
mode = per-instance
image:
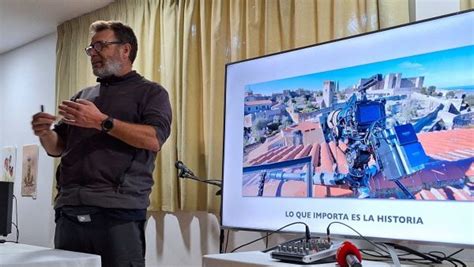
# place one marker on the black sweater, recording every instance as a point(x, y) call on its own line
point(97, 169)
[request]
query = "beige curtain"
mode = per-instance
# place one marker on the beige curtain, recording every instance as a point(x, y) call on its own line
point(466, 4)
point(184, 45)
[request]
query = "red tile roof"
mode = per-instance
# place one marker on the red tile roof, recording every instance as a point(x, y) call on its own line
point(304, 126)
point(439, 181)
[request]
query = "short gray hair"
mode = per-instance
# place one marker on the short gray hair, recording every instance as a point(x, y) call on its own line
point(124, 33)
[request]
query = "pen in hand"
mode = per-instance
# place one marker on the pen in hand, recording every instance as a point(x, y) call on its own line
point(42, 108)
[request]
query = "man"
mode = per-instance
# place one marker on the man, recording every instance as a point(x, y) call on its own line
point(107, 139)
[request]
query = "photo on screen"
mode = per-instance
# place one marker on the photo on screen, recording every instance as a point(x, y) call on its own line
point(286, 121)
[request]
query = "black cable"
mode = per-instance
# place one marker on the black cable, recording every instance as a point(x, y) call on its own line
point(307, 234)
point(433, 253)
point(370, 252)
point(414, 252)
point(418, 261)
point(381, 257)
point(377, 246)
point(447, 258)
point(16, 219)
point(204, 181)
point(17, 233)
point(377, 256)
point(456, 252)
point(425, 257)
point(458, 261)
point(226, 241)
point(453, 263)
point(191, 176)
point(221, 239)
point(266, 241)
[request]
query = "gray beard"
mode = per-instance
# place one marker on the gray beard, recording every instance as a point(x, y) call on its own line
point(110, 68)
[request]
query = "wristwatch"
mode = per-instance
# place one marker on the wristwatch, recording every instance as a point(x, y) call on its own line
point(107, 124)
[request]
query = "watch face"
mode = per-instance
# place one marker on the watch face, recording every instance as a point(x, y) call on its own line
point(107, 124)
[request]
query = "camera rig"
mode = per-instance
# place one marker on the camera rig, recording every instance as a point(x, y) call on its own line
point(361, 124)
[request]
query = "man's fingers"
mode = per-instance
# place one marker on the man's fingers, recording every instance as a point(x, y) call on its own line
point(66, 115)
point(43, 115)
point(84, 102)
point(71, 104)
point(39, 121)
point(68, 110)
point(41, 127)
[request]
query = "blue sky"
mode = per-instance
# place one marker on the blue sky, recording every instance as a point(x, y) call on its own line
point(445, 68)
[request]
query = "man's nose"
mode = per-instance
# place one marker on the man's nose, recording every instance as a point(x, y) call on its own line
point(93, 52)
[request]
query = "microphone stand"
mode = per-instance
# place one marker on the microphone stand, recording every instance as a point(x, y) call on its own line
point(189, 175)
point(186, 173)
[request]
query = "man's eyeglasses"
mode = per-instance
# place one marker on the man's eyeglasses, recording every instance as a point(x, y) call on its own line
point(99, 45)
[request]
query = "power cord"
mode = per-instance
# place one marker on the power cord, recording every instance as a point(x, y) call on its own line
point(454, 253)
point(424, 258)
point(17, 233)
point(449, 258)
point(414, 252)
point(377, 256)
point(307, 234)
point(226, 241)
point(16, 220)
point(266, 241)
point(373, 243)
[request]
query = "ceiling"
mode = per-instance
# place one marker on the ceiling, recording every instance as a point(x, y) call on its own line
point(23, 21)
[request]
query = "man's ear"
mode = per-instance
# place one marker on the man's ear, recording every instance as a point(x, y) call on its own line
point(126, 49)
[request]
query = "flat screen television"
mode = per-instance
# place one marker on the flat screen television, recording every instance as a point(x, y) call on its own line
point(374, 130)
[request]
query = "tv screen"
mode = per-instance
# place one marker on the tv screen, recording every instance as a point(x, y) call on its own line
point(295, 150)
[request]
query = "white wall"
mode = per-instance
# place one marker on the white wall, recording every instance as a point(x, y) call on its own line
point(28, 78)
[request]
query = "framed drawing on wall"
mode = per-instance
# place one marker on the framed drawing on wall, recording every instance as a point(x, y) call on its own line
point(8, 155)
point(30, 170)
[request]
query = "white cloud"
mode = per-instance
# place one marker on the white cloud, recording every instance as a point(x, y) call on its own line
point(411, 65)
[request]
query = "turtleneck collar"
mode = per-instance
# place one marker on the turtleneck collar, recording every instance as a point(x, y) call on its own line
point(114, 79)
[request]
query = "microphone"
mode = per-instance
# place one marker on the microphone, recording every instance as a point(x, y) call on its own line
point(185, 172)
point(183, 169)
point(348, 255)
